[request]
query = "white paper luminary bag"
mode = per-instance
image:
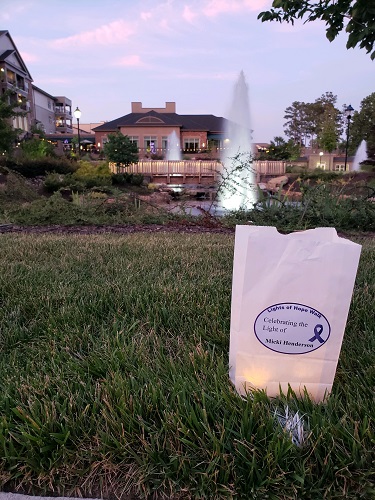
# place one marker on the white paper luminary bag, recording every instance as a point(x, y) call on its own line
point(290, 301)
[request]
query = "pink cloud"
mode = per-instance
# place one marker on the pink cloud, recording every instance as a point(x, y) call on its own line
point(109, 34)
point(27, 57)
point(217, 7)
point(130, 61)
point(47, 80)
point(201, 76)
point(188, 14)
point(164, 24)
point(145, 16)
point(257, 4)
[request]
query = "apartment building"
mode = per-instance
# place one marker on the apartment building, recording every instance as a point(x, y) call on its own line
point(52, 114)
point(14, 75)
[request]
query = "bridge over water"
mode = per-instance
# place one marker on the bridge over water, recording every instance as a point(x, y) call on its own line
point(204, 172)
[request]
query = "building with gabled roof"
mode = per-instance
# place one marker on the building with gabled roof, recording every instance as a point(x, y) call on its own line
point(49, 113)
point(14, 75)
point(150, 128)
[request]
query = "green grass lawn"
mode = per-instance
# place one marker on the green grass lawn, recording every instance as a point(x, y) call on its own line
point(114, 378)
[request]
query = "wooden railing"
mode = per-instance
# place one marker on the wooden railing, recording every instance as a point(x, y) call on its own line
point(270, 167)
point(191, 168)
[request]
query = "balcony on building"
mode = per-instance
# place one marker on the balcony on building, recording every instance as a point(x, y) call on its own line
point(63, 126)
point(12, 80)
point(63, 115)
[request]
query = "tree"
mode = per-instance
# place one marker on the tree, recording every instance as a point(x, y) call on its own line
point(363, 126)
point(328, 136)
point(356, 16)
point(35, 148)
point(8, 134)
point(317, 124)
point(302, 123)
point(296, 126)
point(279, 150)
point(120, 150)
point(328, 122)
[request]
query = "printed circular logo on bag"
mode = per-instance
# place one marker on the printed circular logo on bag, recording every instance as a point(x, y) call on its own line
point(291, 328)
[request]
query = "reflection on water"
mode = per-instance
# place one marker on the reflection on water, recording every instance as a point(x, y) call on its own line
point(202, 207)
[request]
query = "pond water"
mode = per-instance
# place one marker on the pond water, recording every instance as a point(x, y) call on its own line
point(201, 207)
point(195, 207)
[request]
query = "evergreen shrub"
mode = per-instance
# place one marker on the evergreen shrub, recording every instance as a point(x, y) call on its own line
point(93, 175)
point(42, 166)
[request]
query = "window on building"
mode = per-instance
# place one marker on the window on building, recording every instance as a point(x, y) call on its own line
point(150, 119)
point(321, 165)
point(21, 123)
point(214, 145)
point(11, 77)
point(340, 168)
point(150, 144)
point(134, 139)
point(25, 124)
point(191, 143)
point(20, 82)
point(164, 143)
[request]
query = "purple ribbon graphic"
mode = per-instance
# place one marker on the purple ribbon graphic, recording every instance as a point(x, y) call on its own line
point(317, 331)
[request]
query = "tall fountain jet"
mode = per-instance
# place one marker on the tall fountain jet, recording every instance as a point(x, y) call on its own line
point(360, 156)
point(174, 150)
point(238, 183)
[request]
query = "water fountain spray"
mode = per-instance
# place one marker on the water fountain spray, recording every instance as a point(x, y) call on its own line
point(237, 188)
point(174, 150)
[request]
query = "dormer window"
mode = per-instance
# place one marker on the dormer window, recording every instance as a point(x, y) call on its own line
point(149, 119)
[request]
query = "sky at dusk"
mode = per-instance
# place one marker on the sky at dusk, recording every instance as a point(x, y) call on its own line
point(105, 54)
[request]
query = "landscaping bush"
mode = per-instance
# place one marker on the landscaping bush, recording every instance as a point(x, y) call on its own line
point(93, 175)
point(53, 210)
point(15, 189)
point(136, 179)
point(70, 207)
point(107, 190)
point(76, 186)
point(121, 179)
point(320, 174)
point(53, 181)
point(321, 205)
point(77, 210)
point(295, 169)
point(127, 178)
point(369, 166)
point(37, 148)
point(42, 166)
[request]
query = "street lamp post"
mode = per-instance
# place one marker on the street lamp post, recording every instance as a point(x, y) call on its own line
point(77, 115)
point(348, 113)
